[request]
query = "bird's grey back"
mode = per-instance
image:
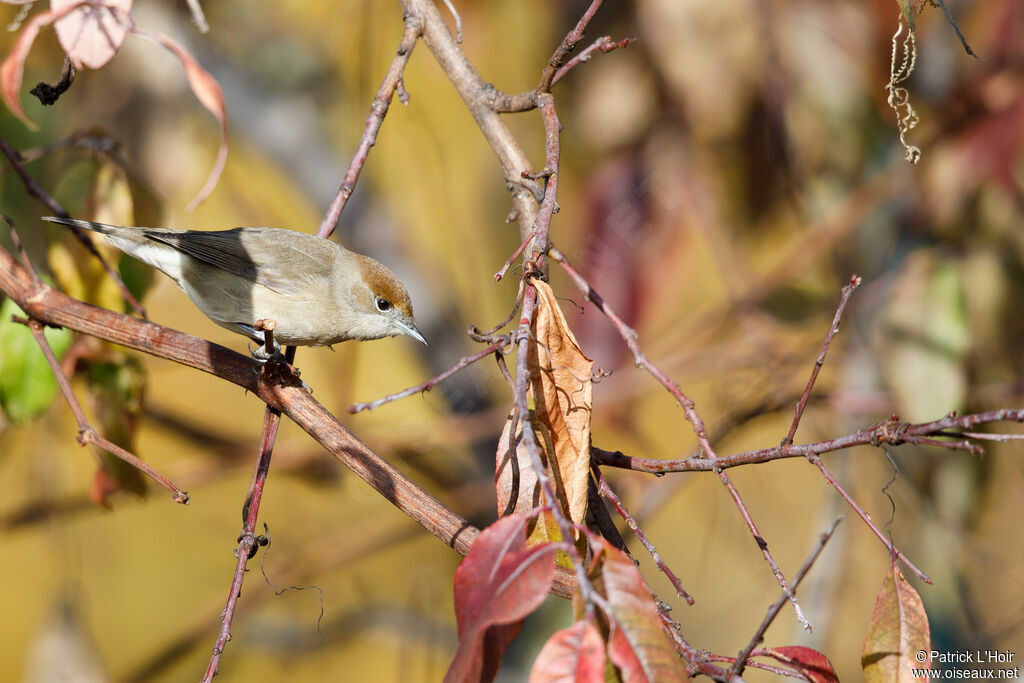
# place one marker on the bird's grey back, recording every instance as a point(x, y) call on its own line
point(265, 256)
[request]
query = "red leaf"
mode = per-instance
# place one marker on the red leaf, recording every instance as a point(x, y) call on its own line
point(207, 91)
point(13, 68)
point(572, 655)
point(811, 663)
point(499, 582)
point(638, 644)
point(92, 33)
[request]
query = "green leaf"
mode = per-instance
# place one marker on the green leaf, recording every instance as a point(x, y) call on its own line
point(27, 384)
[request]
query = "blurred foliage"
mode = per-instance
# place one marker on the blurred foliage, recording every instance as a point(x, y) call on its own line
point(722, 178)
point(27, 384)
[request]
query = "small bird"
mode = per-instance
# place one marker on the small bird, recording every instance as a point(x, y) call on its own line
point(317, 291)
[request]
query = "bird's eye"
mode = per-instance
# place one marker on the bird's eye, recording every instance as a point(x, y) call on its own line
point(383, 304)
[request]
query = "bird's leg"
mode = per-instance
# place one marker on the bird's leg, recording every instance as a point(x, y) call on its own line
point(279, 369)
point(263, 331)
point(266, 326)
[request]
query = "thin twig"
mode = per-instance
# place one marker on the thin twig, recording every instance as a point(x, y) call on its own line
point(630, 336)
point(603, 44)
point(534, 262)
point(34, 189)
point(866, 518)
point(983, 436)
point(86, 433)
point(773, 611)
point(832, 330)
point(698, 661)
point(568, 45)
point(754, 664)
point(464, 362)
point(378, 110)
point(613, 498)
point(488, 335)
point(458, 20)
point(247, 540)
point(515, 254)
point(22, 253)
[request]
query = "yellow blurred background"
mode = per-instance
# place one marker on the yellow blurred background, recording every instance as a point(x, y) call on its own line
point(722, 178)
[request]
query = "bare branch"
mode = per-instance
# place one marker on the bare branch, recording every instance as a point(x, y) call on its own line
point(832, 330)
point(891, 432)
point(378, 110)
point(463, 363)
point(247, 540)
point(526, 194)
point(866, 518)
point(86, 433)
point(34, 189)
point(773, 611)
point(613, 498)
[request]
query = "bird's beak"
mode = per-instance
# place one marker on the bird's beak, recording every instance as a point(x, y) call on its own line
point(410, 329)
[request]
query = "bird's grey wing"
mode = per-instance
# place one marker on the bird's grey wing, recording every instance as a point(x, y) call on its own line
point(250, 253)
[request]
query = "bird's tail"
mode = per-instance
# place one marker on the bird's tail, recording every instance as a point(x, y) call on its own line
point(87, 225)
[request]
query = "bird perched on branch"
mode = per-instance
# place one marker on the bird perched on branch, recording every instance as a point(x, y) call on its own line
point(316, 291)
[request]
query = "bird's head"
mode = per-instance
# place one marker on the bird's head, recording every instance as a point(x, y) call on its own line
point(382, 304)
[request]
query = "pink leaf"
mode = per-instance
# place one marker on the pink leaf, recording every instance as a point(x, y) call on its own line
point(572, 655)
point(93, 32)
point(499, 582)
point(807, 661)
point(13, 68)
point(208, 92)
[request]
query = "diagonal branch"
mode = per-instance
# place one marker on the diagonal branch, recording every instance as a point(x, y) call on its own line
point(832, 330)
point(773, 611)
point(424, 387)
point(526, 193)
point(378, 110)
point(86, 433)
point(613, 498)
point(34, 189)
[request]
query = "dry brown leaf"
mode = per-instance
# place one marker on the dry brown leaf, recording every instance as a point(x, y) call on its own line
point(563, 391)
point(516, 485)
